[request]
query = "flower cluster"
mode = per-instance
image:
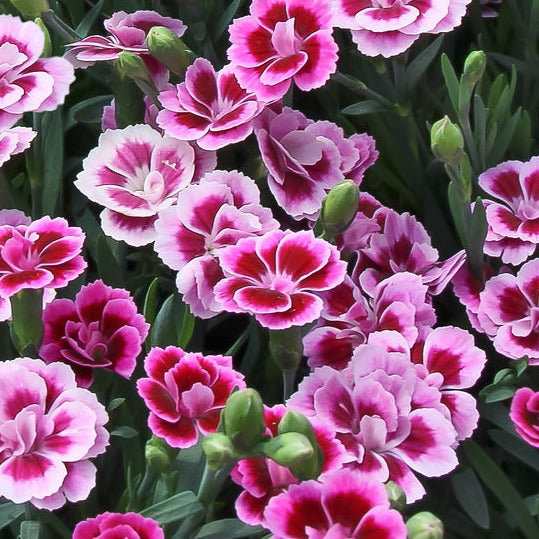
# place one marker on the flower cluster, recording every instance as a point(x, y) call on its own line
point(118, 525)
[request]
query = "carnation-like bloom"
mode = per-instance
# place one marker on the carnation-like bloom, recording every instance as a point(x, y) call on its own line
point(28, 82)
point(43, 254)
point(13, 141)
point(49, 429)
point(509, 312)
point(135, 173)
point(210, 108)
point(185, 393)
point(344, 504)
point(101, 329)
point(525, 415)
point(281, 41)
point(514, 223)
point(111, 525)
point(262, 478)
point(277, 277)
point(206, 218)
point(389, 27)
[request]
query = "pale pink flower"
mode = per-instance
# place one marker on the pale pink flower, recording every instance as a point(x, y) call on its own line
point(135, 173)
point(345, 504)
point(185, 393)
point(13, 141)
point(111, 525)
point(207, 217)
point(281, 41)
point(277, 277)
point(49, 431)
point(390, 27)
point(101, 329)
point(28, 82)
point(209, 108)
point(525, 415)
point(43, 254)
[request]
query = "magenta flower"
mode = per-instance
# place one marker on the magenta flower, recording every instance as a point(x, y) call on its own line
point(513, 224)
point(525, 415)
point(277, 277)
point(390, 27)
point(43, 254)
point(344, 504)
point(210, 108)
point(283, 40)
point(135, 173)
point(110, 525)
point(28, 82)
point(49, 429)
point(13, 141)
point(185, 393)
point(509, 312)
point(101, 329)
point(262, 478)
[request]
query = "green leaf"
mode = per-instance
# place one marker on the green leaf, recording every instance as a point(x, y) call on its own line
point(187, 327)
point(88, 111)
point(226, 18)
point(115, 403)
point(107, 265)
point(150, 302)
point(84, 26)
point(10, 512)
point(496, 393)
point(516, 447)
point(124, 432)
point(451, 81)
point(417, 68)
point(496, 413)
point(470, 495)
point(52, 159)
point(458, 211)
point(503, 139)
point(174, 324)
point(476, 239)
point(30, 529)
point(175, 508)
point(231, 528)
point(500, 486)
point(369, 106)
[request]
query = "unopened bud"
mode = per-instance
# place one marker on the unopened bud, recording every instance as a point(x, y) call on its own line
point(474, 66)
point(396, 496)
point(132, 65)
point(169, 49)
point(30, 8)
point(218, 449)
point(339, 207)
point(157, 454)
point(425, 525)
point(446, 141)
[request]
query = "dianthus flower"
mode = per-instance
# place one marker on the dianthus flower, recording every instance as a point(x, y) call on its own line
point(13, 141)
point(135, 173)
point(207, 217)
point(43, 254)
point(344, 504)
point(185, 393)
point(49, 429)
point(209, 107)
point(262, 478)
point(110, 525)
point(28, 82)
point(513, 224)
point(390, 27)
point(525, 415)
point(277, 277)
point(101, 329)
point(281, 41)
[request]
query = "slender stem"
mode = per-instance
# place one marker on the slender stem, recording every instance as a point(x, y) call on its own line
point(361, 88)
point(59, 26)
point(289, 377)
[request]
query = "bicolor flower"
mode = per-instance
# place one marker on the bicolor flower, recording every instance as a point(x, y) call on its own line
point(525, 413)
point(13, 141)
point(129, 525)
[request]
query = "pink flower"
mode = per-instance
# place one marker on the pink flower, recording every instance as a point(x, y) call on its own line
point(277, 277)
point(13, 141)
point(109, 525)
point(283, 40)
point(185, 393)
point(135, 173)
point(101, 329)
point(513, 224)
point(509, 312)
point(43, 254)
point(344, 504)
point(208, 107)
point(262, 478)
point(49, 429)
point(207, 217)
point(390, 27)
point(28, 82)
point(525, 415)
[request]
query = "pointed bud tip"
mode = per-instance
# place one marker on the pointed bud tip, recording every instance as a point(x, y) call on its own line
point(340, 207)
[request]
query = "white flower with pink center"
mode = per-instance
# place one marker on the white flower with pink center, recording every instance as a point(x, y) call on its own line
point(135, 173)
point(13, 141)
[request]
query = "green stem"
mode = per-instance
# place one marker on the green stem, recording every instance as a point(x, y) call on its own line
point(59, 26)
point(361, 88)
point(289, 377)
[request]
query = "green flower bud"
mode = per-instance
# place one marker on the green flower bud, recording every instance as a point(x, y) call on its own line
point(157, 453)
point(243, 419)
point(446, 141)
point(396, 496)
point(26, 326)
point(30, 8)
point(131, 65)
point(339, 207)
point(219, 450)
point(474, 66)
point(425, 525)
point(169, 49)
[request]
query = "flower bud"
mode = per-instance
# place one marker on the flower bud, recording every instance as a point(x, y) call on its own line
point(157, 453)
point(31, 8)
point(339, 207)
point(446, 141)
point(396, 496)
point(169, 49)
point(131, 65)
point(474, 66)
point(243, 419)
point(425, 525)
point(218, 449)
